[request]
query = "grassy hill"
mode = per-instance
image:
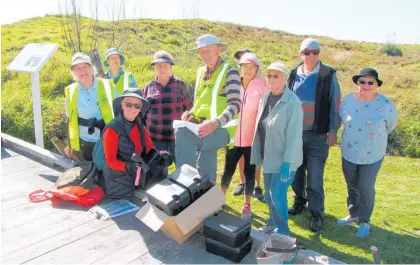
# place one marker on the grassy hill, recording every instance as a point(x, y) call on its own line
point(396, 225)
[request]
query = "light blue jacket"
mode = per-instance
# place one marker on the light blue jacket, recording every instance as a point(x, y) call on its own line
point(283, 139)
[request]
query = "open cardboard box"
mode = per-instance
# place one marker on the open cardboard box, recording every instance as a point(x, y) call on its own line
point(187, 222)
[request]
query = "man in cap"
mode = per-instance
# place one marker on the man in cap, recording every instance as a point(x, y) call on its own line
point(317, 87)
point(216, 103)
point(169, 98)
point(89, 107)
point(114, 59)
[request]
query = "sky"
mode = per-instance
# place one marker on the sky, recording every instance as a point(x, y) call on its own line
point(396, 21)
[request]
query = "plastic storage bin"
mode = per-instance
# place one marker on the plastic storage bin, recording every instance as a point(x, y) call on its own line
point(189, 178)
point(229, 253)
point(169, 197)
point(226, 228)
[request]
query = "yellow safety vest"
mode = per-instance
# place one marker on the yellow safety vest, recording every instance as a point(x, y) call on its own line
point(105, 98)
point(123, 82)
point(208, 103)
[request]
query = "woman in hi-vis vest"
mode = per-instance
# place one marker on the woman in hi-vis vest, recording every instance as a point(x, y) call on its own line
point(123, 80)
point(88, 107)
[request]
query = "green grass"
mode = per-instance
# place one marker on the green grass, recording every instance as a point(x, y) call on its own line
point(396, 219)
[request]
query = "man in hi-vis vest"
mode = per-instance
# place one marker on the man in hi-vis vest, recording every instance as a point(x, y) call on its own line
point(216, 103)
point(88, 107)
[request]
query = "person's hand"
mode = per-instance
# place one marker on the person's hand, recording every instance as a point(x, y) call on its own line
point(70, 153)
point(332, 139)
point(131, 168)
point(185, 115)
point(167, 157)
point(207, 127)
point(285, 172)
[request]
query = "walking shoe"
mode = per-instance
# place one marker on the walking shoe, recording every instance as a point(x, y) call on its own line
point(239, 190)
point(316, 224)
point(246, 211)
point(347, 220)
point(267, 229)
point(363, 231)
point(296, 209)
point(258, 194)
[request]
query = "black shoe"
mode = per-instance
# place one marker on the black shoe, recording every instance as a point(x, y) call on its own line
point(258, 194)
point(239, 190)
point(296, 209)
point(316, 224)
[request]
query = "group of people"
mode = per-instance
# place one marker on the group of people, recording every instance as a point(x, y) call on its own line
point(280, 120)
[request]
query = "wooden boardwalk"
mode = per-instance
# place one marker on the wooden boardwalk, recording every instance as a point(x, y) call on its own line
point(39, 233)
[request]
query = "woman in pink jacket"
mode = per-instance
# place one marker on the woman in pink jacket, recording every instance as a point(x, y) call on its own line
point(252, 88)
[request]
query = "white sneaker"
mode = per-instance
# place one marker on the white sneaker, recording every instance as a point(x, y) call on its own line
point(267, 229)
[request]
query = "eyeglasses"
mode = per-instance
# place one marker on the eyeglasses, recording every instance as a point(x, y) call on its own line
point(130, 105)
point(273, 76)
point(313, 51)
point(362, 82)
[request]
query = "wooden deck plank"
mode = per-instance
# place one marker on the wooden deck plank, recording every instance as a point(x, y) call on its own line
point(62, 239)
point(135, 250)
point(41, 229)
point(98, 244)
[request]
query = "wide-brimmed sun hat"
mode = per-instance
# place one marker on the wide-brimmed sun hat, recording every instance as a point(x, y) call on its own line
point(370, 72)
point(112, 51)
point(208, 40)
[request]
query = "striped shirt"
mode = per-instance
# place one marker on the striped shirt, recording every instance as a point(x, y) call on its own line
point(232, 90)
point(305, 89)
point(167, 103)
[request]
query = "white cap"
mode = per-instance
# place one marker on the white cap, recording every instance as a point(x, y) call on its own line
point(79, 58)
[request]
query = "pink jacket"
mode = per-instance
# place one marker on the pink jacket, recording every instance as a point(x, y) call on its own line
point(250, 99)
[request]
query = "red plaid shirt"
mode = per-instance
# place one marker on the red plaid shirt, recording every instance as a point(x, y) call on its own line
point(167, 104)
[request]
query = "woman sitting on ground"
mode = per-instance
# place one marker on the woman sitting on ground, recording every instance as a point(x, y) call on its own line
point(123, 137)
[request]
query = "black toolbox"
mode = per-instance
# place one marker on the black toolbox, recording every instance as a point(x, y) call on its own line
point(226, 228)
point(229, 253)
point(189, 178)
point(169, 197)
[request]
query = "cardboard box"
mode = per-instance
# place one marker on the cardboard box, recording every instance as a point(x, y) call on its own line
point(187, 222)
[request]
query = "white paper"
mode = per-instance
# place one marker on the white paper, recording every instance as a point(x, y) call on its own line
point(186, 124)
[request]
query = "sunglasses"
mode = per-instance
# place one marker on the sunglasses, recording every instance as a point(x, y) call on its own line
point(273, 76)
point(307, 52)
point(362, 82)
point(130, 105)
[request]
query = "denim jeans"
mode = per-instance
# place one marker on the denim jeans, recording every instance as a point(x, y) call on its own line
point(360, 188)
point(309, 177)
point(276, 197)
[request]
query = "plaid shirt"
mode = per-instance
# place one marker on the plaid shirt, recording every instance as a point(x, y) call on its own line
point(167, 104)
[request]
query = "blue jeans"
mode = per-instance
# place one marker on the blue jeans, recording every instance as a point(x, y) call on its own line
point(166, 146)
point(276, 197)
point(309, 180)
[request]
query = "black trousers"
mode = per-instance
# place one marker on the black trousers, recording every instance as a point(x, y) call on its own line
point(231, 161)
point(86, 149)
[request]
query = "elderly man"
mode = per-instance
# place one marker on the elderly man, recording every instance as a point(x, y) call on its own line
point(169, 98)
point(216, 103)
point(317, 87)
point(89, 107)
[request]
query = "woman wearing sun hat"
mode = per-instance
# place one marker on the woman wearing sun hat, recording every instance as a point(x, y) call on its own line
point(368, 117)
point(277, 144)
point(124, 136)
point(114, 59)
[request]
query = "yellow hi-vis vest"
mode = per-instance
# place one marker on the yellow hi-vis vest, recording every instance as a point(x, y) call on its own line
point(123, 82)
point(105, 98)
point(208, 103)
